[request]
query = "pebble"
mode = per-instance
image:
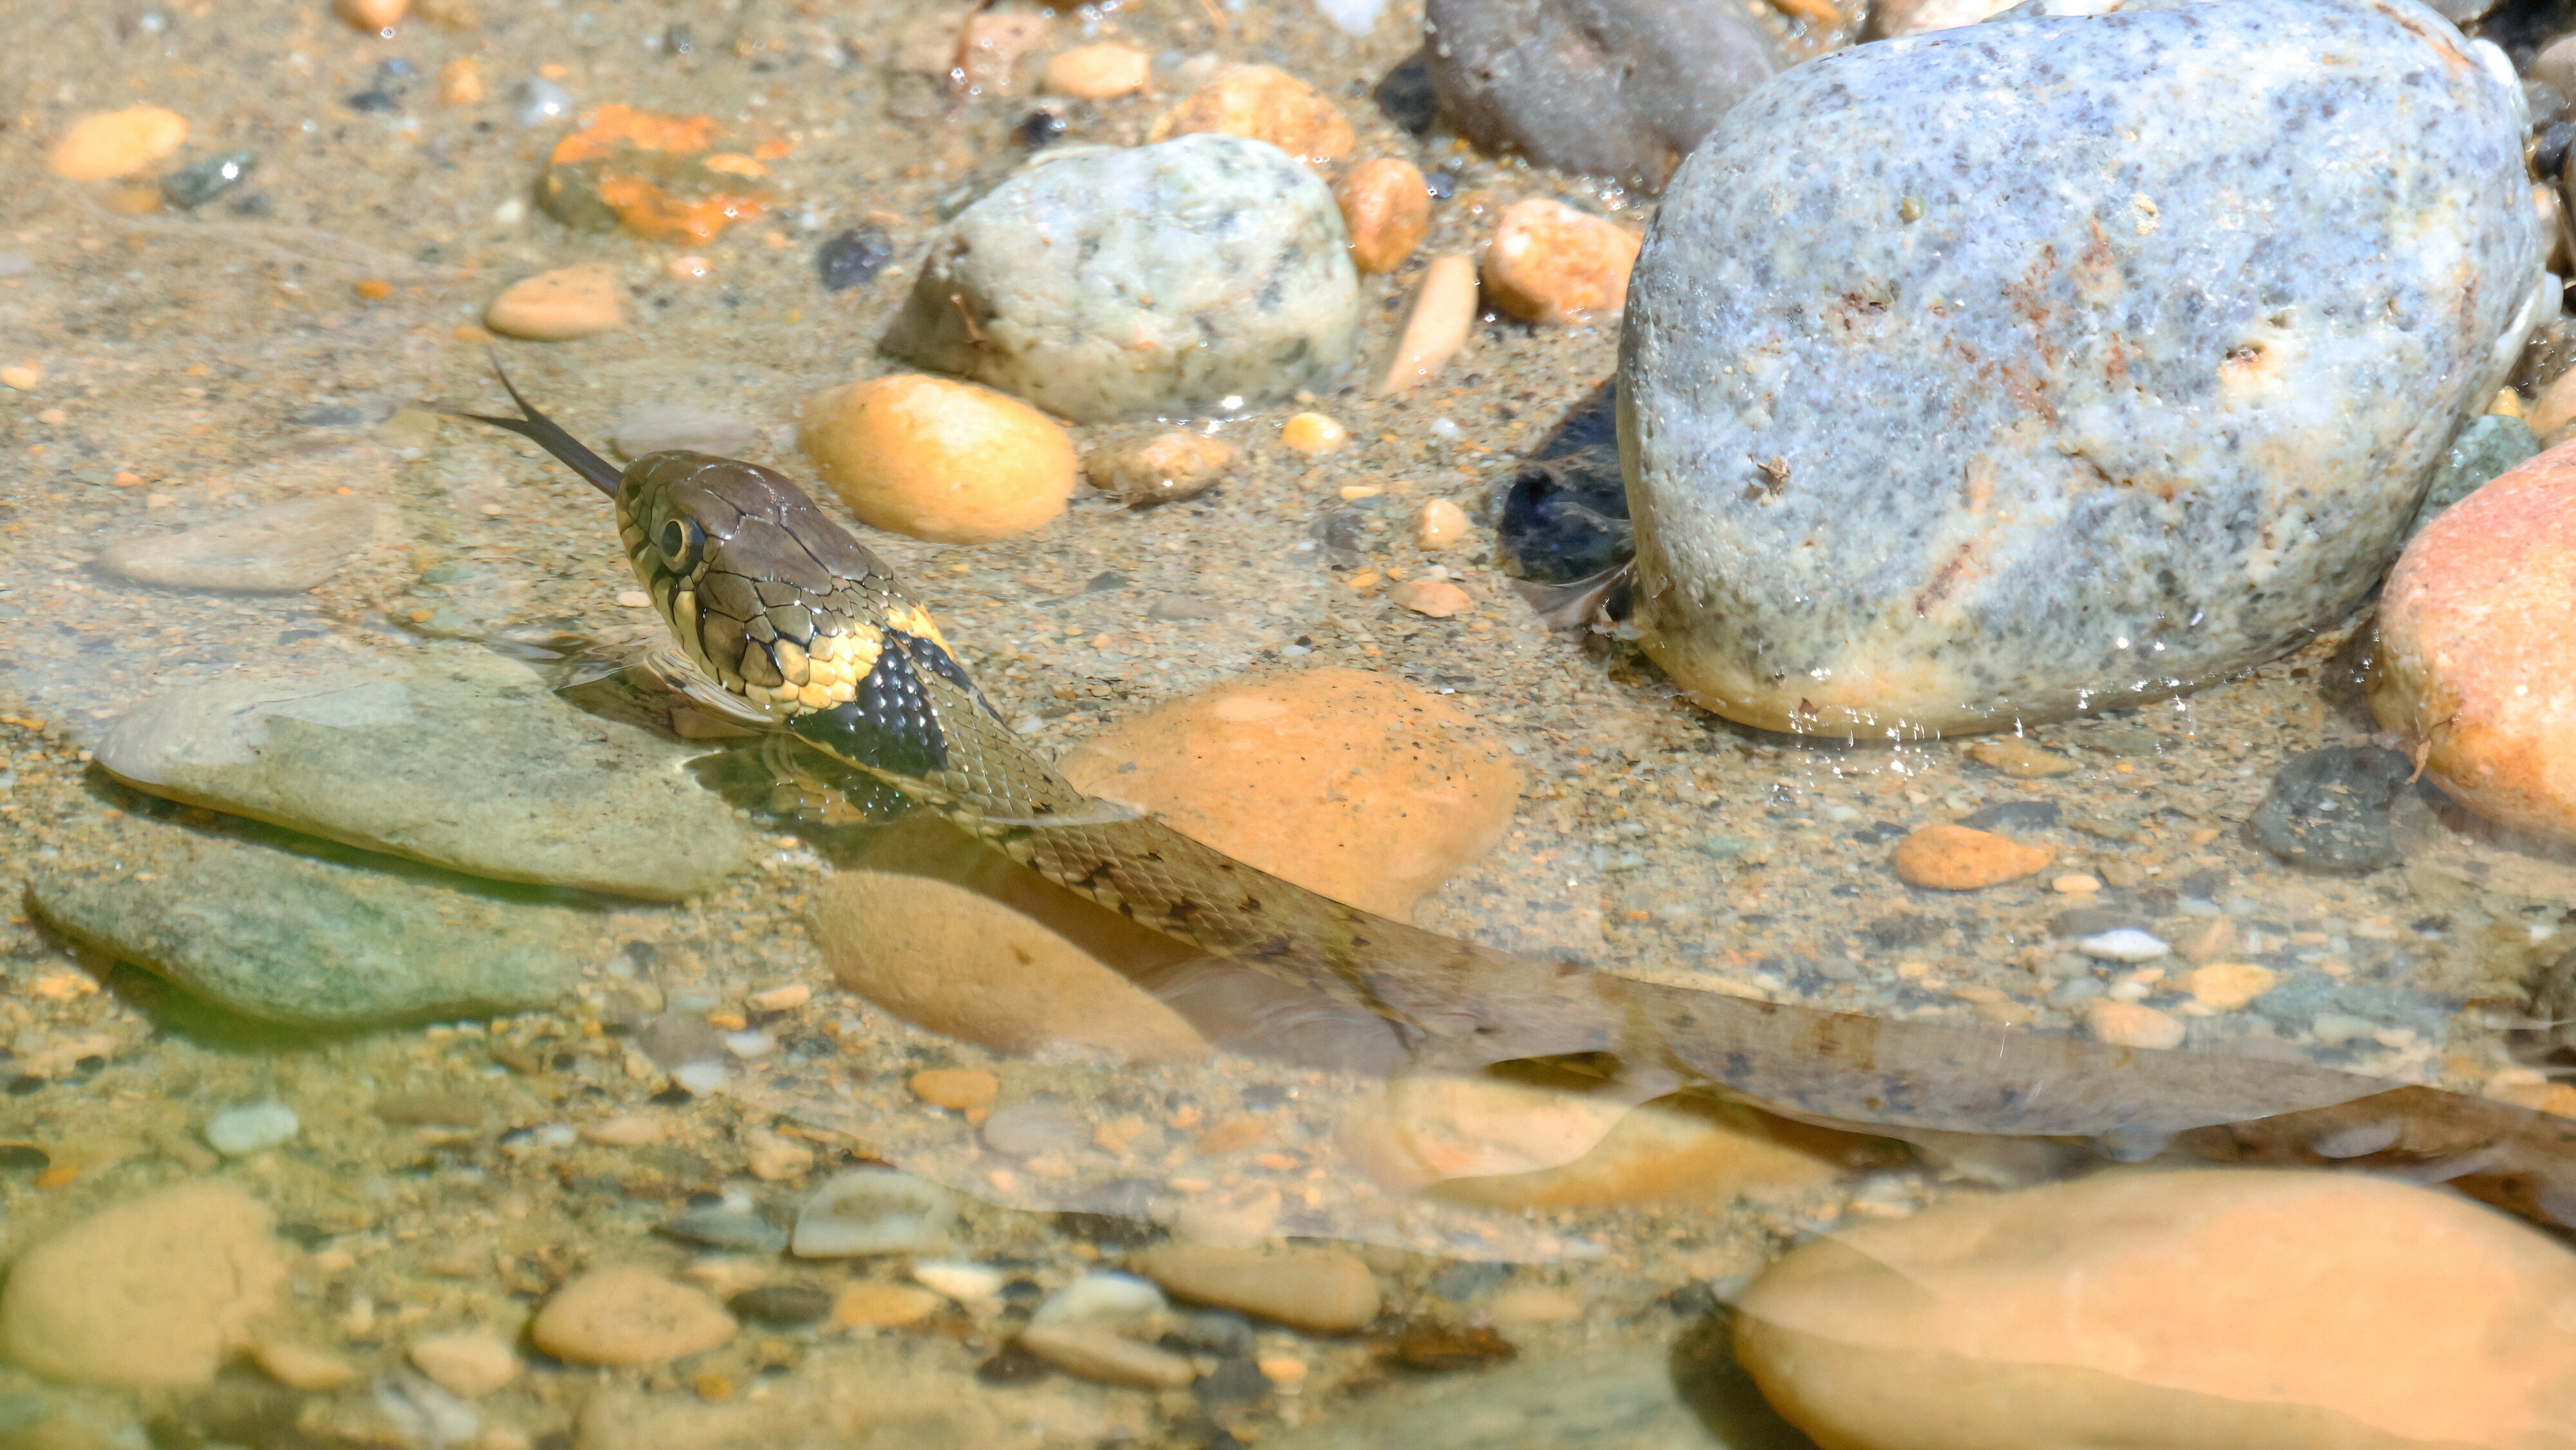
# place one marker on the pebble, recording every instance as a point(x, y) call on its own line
point(152, 1293)
point(2491, 444)
point(1105, 284)
point(1437, 598)
point(1351, 784)
point(252, 1128)
point(558, 306)
point(539, 102)
point(1956, 858)
point(466, 761)
point(1262, 103)
point(881, 1306)
point(1098, 72)
point(853, 258)
point(784, 1306)
point(1534, 1305)
point(1550, 263)
point(939, 460)
point(2159, 1308)
point(471, 1365)
point(199, 182)
point(1436, 326)
point(2018, 758)
point(872, 1211)
point(2132, 1024)
point(1099, 1355)
point(967, 1283)
point(2065, 498)
point(726, 1228)
point(284, 937)
point(993, 954)
point(955, 1089)
point(1313, 434)
point(773, 1159)
point(2328, 810)
point(1387, 210)
point(107, 144)
point(654, 427)
point(24, 379)
point(2075, 884)
point(2227, 986)
point(301, 1366)
point(2123, 944)
point(1441, 525)
point(460, 82)
point(279, 548)
point(621, 1316)
point(1165, 468)
point(1617, 88)
point(1101, 1298)
point(1321, 1291)
point(2473, 663)
point(2554, 409)
point(626, 1130)
point(372, 16)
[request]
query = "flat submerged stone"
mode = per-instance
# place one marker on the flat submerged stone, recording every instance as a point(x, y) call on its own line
point(466, 762)
point(2065, 360)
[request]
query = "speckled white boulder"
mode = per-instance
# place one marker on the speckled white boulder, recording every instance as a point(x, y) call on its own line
point(2064, 360)
point(1206, 274)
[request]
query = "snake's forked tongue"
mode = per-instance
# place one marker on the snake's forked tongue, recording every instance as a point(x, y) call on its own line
point(549, 435)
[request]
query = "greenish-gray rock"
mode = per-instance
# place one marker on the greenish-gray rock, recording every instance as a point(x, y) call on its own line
point(283, 937)
point(466, 761)
point(2484, 449)
point(1694, 1398)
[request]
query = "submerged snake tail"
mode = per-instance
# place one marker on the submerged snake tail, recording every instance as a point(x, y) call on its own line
point(549, 435)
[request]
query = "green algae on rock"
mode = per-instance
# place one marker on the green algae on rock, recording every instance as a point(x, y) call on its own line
point(2064, 361)
point(288, 938)
point(466, 762)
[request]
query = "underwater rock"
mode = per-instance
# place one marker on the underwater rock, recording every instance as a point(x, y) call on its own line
point(2006, 373)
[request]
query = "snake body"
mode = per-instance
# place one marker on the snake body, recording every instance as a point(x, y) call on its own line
point(787, 621)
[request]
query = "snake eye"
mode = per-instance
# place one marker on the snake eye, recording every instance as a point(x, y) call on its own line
point(679, 542)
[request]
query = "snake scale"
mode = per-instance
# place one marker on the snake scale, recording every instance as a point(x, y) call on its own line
point(788, 623)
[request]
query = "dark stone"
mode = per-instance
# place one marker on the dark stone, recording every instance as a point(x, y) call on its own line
point(725, 1228)
point(1236, 1382)
point(1619, 88)
point(254, 205)
point(854, 258)
point(1406, 94)
point(1901, 929)
point(1340, 531)
point(787, 1306)
point(23, 1158)
point(2555, 141)
point(1878, 833)
point(1214, 1332)
point(1565, 516)
point(199, 182)
point(1040, 128)
point(1112, 1230)
point(2013, 816)
point(373, 102)
point(1440, 1346)
point(2328, 810)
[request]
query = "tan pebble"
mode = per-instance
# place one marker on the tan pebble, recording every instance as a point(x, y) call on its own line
point(781, 999)
point(1094, 1353)
point(882, 1306)
point(1313, 434)
point(773, 1159)
point(2018, 758)
point(1437, 598)
point(301, 1366)
point(472, 1365)
point(628, 1316)
point(155, 1292)
point(372, 16)
point(2132, 1024)
point(2075, 884)
point(1165, 468)
point(1413, 791)
point(2228, 985)
point(2476, 668)
point(956, 1089)
point(1551, 263)
point(1442, 525)
point(460, 82)
point(22, 379)
point(1386, 207)
point(1264, 104)
point(2507, 404)
point(558, 306)
point(2195, 1308)
point(1534, 1306)
point(1281, 1370)
point(628, 1130)
point(1098, 72)
point(1956, 858)
point(1322, 1291)
point(2555, 408)
point(725, 1275)
point(946, 461)
point(937, 929)
point(1439, 322)
point(107, 144)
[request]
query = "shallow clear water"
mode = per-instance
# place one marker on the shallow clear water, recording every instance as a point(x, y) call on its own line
point(449, 1175)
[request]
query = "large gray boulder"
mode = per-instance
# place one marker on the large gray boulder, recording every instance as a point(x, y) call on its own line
point(2063, 361)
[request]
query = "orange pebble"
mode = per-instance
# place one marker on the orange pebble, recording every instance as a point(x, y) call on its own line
point(1956, 858)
